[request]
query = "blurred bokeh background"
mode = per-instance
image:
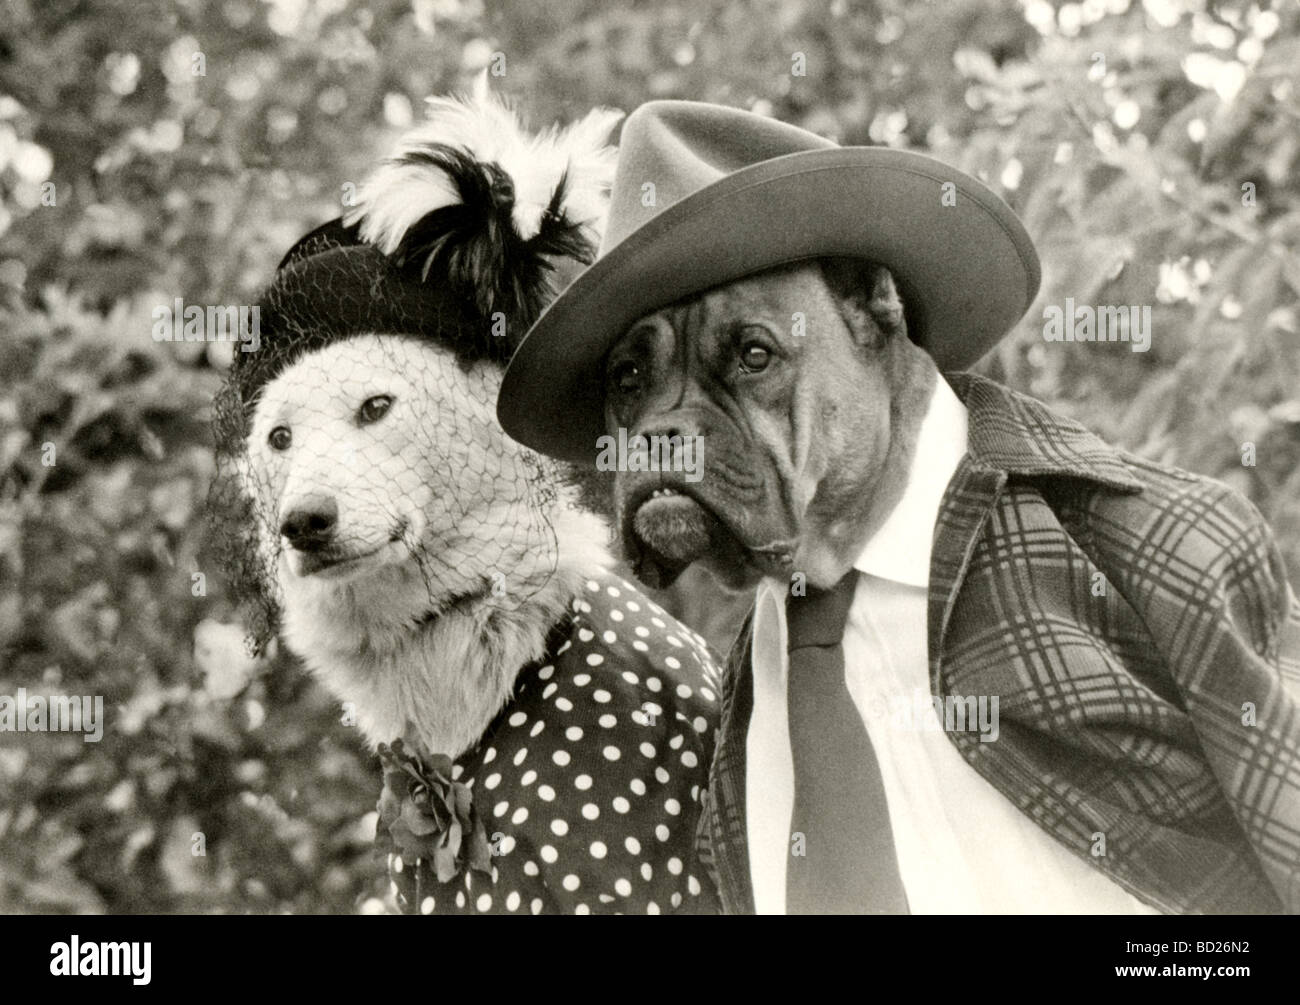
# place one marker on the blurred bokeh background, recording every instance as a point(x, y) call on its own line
point(151, 150)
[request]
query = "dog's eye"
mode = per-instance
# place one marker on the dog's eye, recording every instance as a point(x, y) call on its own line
point(374, 409)
point(754, 357)
point(626, 377)
point(280, 438)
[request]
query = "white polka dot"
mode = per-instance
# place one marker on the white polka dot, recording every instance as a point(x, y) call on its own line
point(490, 755)
point(693, 885)
point(460, 898)
point(673, 640)
point(549, 854)
point(689, 759)
point(563, 704)
point(672, 663)
point(499, 810)
point(630, 677)
point(652, 908)
point(640, 646)
point(512, 901)
point(662, 775)
point(545, 792)
point(673, 806)
point(622, 887)
point(492, 781)
point(586, 634)
point(538, 726)
point(520, 815)
point(657, 622)
point(398, 865)
point(573, 734)
point(582, 782)
point(648, 749)
point(571, 882)
point(654, 683)
point(593, 586)
point(595, 659)
point(675, 865)
point(427, 905)
point(676, 900)
point(683, 691)
point(559, 827)
point(708, 694)
point(647, 871)
point(632, 845)
point(590, 811)
point(506, 846)
point(550, 689)
point(598, 849)
point(530, 868)
point(607, 721)
point(536, 905)
point(612, 753)
point(676, 741)
point(545, 672)
point(662, 832)
point(582, 679)
point(612, 591)
point(614, 616)
point(582, 909)
point(529, 777)
point(621, 804)
point(601, 695)
point(484, 902)
point(520, 755)
point(518, 719)
point(701, 724)
point(609, 637)
point(456, 771)
point(561, 757)
point(642, 631)
point(637, 786)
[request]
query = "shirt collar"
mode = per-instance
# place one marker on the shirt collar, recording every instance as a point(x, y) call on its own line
point(900, 548)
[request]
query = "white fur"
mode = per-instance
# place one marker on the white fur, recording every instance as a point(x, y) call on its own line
point(397, 195)
point(422, 651)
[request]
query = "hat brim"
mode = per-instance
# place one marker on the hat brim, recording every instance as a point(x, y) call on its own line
point(964, 265)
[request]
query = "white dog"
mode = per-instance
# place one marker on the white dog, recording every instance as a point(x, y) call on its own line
point(374, 485)
point(438, 577)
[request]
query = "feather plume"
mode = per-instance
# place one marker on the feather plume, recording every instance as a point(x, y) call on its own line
point(472, 198)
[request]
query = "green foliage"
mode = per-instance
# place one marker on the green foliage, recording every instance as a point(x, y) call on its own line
point(170, 183)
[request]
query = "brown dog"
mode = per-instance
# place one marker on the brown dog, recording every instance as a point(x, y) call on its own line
point(809, 424)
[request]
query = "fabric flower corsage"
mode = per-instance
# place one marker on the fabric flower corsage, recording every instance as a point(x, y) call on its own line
point(424, 816)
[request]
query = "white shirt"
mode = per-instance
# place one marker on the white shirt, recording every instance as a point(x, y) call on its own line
point(963, 848)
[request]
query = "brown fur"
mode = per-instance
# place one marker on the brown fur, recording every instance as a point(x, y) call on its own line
point(804, 459)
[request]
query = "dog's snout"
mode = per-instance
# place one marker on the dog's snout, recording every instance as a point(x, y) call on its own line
point(310, 524)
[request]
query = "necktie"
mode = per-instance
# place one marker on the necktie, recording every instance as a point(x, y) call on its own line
point(849, 865)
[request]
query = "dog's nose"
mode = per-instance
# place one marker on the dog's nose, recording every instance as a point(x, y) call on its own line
point(310, 524)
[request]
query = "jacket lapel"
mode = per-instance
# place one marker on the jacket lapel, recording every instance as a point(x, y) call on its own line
point(724, 812)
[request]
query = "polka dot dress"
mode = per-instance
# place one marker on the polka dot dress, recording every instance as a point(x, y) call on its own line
point(589, 782)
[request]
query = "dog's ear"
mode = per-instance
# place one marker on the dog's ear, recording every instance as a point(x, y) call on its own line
point(866, 289)
point(492, 207)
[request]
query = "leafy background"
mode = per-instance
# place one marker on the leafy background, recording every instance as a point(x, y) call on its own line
point(1122, 132)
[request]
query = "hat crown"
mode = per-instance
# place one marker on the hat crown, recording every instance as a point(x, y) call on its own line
point(681, 147)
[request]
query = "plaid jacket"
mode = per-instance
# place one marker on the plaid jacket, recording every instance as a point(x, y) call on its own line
point(1163, 713)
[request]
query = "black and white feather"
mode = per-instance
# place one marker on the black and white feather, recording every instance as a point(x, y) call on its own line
point(471, 198)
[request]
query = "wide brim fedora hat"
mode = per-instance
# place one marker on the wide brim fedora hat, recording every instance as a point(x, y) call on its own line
point(706, 194)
